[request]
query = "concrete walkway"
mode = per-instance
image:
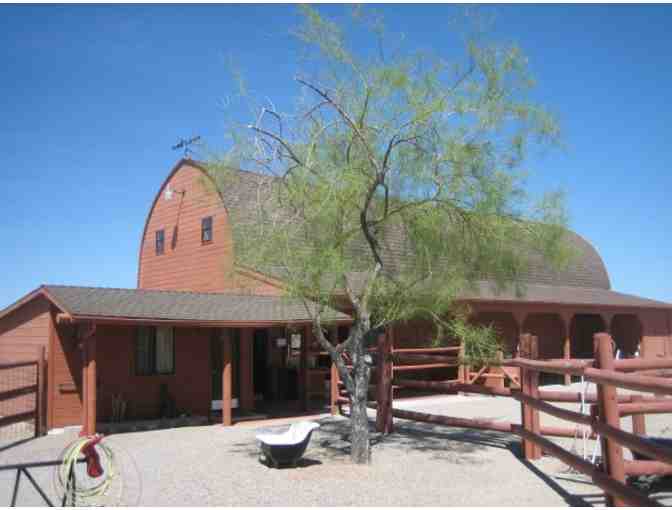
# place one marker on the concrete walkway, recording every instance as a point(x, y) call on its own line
point(419, 464)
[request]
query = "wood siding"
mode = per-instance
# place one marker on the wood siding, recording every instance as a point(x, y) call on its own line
point(190, 385)
point(187, 263)
point(65, 378)
point(656, 334)
point(24, 331)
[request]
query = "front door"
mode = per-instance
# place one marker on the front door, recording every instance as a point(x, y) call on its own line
point(216, 366)
point(260, 365)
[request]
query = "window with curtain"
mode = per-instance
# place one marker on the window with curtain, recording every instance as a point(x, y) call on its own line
point(155, 351)
point(165, 350)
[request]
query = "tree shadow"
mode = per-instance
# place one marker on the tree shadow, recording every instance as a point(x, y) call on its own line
point(454, 445)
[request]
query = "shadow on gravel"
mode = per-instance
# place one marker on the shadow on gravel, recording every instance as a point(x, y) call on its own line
point(570, 499)
point(13, 444)
point(454, 445)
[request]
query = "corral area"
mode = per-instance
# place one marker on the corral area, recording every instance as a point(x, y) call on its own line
point(419, 464)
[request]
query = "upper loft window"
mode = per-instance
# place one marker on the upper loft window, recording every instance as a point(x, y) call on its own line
point(160, 242)
point(206, 229)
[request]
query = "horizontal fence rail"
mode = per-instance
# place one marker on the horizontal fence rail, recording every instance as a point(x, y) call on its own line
point(603, 421)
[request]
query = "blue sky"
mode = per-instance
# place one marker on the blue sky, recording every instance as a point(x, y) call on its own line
point(93, 97)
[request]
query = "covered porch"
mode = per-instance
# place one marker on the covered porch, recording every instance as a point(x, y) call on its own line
point(138, 369)
point(565, 319)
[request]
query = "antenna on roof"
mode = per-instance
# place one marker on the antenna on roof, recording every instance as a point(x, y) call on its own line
point(186, 143)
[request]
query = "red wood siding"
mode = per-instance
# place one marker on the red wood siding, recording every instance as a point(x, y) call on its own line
point(65, 378)
point(187, 263)
point(24, 330)
point(415, 333)
point(190, 385)
point(656, 335)
point(550, 331)
point(242, 282)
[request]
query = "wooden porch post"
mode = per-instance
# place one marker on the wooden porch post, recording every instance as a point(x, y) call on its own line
point(612, 452)
point(226, 379)
point(608, 317)
point(304, 373)
point(462, 374)
point(333, 389)
point(567, 343)
point(50, 386)
point(246, 370)
point(39, 395)
point(91, 396)
point(519, 316)
point(85, 388)
point(384, 394)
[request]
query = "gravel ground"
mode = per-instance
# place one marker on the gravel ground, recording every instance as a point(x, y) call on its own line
point(419, 464)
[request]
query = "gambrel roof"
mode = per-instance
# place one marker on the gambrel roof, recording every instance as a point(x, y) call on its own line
point(585, 281)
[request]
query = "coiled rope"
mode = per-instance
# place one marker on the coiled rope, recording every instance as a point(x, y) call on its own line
point(71, 485)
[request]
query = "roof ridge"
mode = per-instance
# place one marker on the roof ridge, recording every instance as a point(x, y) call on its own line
point(203, 165)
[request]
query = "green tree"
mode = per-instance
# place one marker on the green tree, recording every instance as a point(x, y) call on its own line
point(397, 183)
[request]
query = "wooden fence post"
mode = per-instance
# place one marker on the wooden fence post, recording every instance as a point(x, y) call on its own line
point(462, 367)
point(384, 384)
point(612, 452)
point(534, 392)
point(523, 352)
point(638, 420)
point(528, 348)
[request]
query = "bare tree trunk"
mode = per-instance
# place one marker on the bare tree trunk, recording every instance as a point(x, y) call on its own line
point(360, 452)
point(356, 381)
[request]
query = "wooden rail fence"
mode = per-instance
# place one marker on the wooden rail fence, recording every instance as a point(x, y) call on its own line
point(606, 405)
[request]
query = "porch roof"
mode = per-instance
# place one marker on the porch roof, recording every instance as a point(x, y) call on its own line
point(560, 295)
point(139, 305)
point(530, 293)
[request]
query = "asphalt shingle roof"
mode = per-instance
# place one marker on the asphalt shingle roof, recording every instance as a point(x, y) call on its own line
point(584, 282)
point(179, 306)
point(558, 294)
point(245, 190)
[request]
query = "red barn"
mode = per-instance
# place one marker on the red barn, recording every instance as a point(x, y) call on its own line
point(201, 329)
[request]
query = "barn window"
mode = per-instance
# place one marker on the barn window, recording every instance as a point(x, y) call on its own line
point(155, 351)
point(160, 242)
point(206, 229)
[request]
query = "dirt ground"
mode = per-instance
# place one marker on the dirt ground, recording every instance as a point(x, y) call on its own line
point(418, 465)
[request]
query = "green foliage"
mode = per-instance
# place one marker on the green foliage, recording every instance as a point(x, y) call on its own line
point(481, 343)
point(399, 181)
